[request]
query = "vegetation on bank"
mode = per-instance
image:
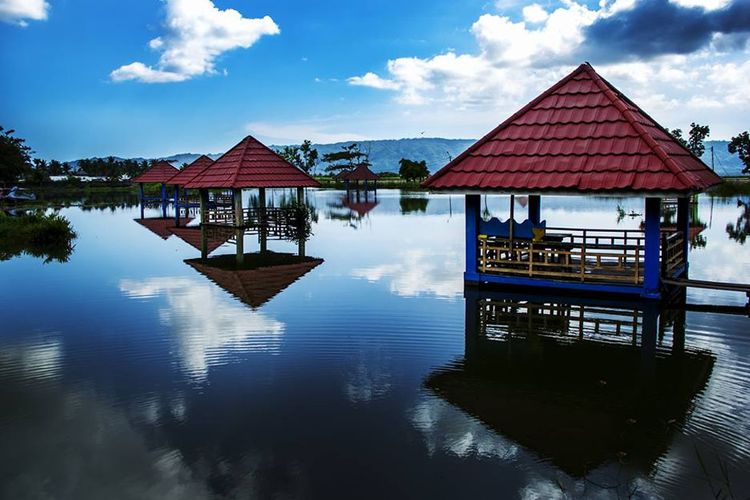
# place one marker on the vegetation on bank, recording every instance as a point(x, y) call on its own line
point(49, 237)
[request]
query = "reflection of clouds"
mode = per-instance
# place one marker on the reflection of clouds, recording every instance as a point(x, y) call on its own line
point(367, 383)
point(208, 327)
point(420, 272)
point(40, 359)
point(446, 428)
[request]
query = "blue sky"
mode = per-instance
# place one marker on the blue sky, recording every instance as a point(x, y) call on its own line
point(205, 76)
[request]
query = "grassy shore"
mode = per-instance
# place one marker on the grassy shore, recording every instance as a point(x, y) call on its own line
point(49, 237)
point(731, 187)
point(330, 182)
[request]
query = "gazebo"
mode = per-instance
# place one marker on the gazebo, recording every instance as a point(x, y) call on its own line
point(184, 176)
point(161, 172)
point(248, 165)
point(360, 173)
point(580, 137)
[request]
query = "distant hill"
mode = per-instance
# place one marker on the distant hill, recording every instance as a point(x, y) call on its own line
point(385, 154)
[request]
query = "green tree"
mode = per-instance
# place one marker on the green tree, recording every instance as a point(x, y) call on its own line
point(304, 156)
point(740, 145)
point(411, 170)
point(346, 160)
point(15, 157)
point(694, 141)
point(39, 173)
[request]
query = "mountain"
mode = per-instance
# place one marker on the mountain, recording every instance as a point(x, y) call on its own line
point(436, 151)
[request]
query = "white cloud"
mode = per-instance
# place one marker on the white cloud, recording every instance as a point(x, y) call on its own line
point(515, 61)
point(705, 4)
point(197, 33)
point(535, 13)
point(20, 11)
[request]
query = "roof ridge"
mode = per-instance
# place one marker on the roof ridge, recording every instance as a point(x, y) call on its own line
point(609, 90)
point(244, 143)
point(504, 124)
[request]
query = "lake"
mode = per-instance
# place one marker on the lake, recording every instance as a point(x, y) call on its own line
point(365, 370)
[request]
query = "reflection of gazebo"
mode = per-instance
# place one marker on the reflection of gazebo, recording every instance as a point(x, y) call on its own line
point(165, 227)
point(580, 137)
point(552, 374)
point(259, 278)
point(161, 226)
point(161, 172)
point(361, 208)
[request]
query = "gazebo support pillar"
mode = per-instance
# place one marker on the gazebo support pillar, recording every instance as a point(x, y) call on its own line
point(164, 200)
point(239, 225)
point(176, 205)
point(652, 247)
point(262, 220)
point(473, 205)
point(683, 224)
point(204, 219)
point(535, 209)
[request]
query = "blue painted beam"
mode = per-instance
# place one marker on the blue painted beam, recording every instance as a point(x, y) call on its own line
point(547, 284)
point(472, 233)
point(652, 246)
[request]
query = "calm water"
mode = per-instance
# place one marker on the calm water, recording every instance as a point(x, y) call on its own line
point(127, 373)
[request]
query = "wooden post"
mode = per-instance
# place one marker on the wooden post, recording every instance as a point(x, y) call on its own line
point(683, 224)
point(262, 220)
point(535, 209)
point(204, 219)
point(473, 205)
point(239, 225)
point(651, 266)
point(301, 201)
point(300, 195)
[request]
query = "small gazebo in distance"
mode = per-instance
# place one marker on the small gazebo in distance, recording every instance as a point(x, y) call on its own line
point(160, 172)
point(248, 165)
point(184, 176)
point(361, 173)
point(580, 137)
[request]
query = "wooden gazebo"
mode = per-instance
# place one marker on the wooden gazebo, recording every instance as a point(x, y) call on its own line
point(248, 165)
point(187, 174)
point(159, 173)
point(361, 173)
point(580, 137)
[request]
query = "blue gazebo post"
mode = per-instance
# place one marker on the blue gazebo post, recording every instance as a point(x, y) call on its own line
point(473, 206)
point(177, 205)
point(535, 209)
point(163, 200)
point(683, 224)
point(652, 246)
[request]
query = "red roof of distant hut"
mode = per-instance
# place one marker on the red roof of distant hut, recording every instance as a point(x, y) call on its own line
point(361, 173)
point(580, 135)
point(256, 286)
point(160, 172)
point(250, 164)
point(188, 173)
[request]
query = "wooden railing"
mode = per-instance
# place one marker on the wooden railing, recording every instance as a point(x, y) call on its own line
point(279, 222)
point(586, 255)
point(672, 252)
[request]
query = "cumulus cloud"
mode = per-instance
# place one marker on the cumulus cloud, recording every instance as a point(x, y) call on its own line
point(21, 11)
point(663, 54)
point(197, 33)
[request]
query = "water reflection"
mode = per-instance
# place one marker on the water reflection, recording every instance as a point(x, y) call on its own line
point(584, 383)
point(740, 230)
point(352, 207)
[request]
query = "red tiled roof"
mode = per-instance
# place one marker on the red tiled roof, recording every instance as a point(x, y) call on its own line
point(361, 173)
point(160, 172)
point(191, 171)
point(251, 164)
point(580, 135)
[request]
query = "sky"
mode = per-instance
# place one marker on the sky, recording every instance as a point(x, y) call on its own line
point(151, 78)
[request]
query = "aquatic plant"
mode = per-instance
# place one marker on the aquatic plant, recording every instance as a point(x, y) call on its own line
point(46, 236)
